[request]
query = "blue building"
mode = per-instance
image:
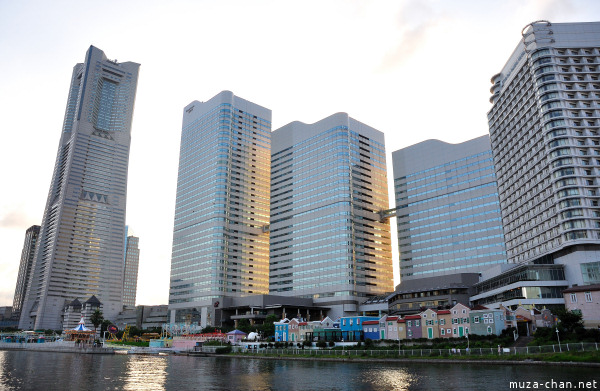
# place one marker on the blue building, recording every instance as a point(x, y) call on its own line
point(352, 327)
point(371, 329)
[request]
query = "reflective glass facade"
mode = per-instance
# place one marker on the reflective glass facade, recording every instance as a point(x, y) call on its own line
point(220, 236)
point(132, 262)
point(80, 249)
point(27, 254)
point(328, 184)
point(447, 207)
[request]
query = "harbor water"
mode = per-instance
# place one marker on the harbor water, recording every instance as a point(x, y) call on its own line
point(27, 370)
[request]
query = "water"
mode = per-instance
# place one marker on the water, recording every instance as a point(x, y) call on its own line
point(22, 370)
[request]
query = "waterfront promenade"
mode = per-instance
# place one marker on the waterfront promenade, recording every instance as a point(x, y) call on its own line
point(57, 347)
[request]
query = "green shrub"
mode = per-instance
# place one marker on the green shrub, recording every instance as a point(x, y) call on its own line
point(223, 350)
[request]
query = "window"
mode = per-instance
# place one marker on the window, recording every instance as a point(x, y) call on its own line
point(476, 319)
point(409, 323)
point(573, 298)
point(417, 323)
point(443, 331)
point(588, 297)
point(454, 331)
point(489, 329)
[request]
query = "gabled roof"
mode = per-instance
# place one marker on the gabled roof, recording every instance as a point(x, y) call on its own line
point(443, 312)
point(392, 318)
point(583, 288)
point(93, 301)
point(412, 317)
point(75, 303)
point(479, 307)
point(236, 332)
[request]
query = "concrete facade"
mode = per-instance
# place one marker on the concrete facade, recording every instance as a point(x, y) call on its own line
point(585, 300)
point(544, 127)
point(80, 249)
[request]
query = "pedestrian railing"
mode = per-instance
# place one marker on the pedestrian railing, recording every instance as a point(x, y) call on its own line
point(565, 347)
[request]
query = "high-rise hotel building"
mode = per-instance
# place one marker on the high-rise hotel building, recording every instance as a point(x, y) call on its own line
point(130, 270)
point(328, 185)
point(80, 247)
point(220, 235)
point(544, 128)
point(448, 213)
point(27, 254)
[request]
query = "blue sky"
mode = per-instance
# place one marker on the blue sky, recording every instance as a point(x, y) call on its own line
point(414, 69)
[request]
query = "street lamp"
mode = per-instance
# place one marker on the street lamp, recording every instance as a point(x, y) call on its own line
point(558, 337)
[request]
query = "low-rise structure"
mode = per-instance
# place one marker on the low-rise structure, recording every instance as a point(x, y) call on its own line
point(586, 301)
point(485, 321)
point(371, 329)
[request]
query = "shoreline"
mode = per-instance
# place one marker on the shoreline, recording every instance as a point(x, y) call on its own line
point(420, 360)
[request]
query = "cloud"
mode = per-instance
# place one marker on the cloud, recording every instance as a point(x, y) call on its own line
point(15, 218)
point(553, 10)
point(415, 20)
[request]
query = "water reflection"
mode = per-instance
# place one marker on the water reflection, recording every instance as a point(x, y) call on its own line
point(21, 370)
point(146, 373)
point(393, 379)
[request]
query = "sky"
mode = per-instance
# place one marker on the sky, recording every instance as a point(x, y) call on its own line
point(414, 69)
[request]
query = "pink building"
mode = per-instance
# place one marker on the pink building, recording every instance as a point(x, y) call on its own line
point(584, 299)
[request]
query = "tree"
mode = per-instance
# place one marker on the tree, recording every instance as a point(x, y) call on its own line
point(96, 319)
point(570, 320)
point(104, 326)
point(268, 328)
point(244, 325)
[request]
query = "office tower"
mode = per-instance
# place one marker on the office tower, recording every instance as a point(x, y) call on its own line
point(220, 234)
point(132, 262)
point(544, 126)
point(31, 237)
point(328, 241)
point(447, 207)
point(80, 246)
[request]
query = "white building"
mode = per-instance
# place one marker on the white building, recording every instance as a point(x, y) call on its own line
point(544, 129)
point(80, 246)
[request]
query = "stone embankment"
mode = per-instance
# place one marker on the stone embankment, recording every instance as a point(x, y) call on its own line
point(59, 347)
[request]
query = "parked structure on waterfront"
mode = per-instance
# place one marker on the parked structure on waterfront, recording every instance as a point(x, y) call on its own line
point(328, 240)
point(25, 265)
point(220, 234)
point(132, 262)
point(80, 247)
point(448, 213)
point(544, 128)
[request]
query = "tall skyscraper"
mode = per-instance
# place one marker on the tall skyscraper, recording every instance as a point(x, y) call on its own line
point(132, 262)
point(544, 129)
point(220, 235)
point(31, 237)
point(80, 247)
point(448, 210)
point(328, 185)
